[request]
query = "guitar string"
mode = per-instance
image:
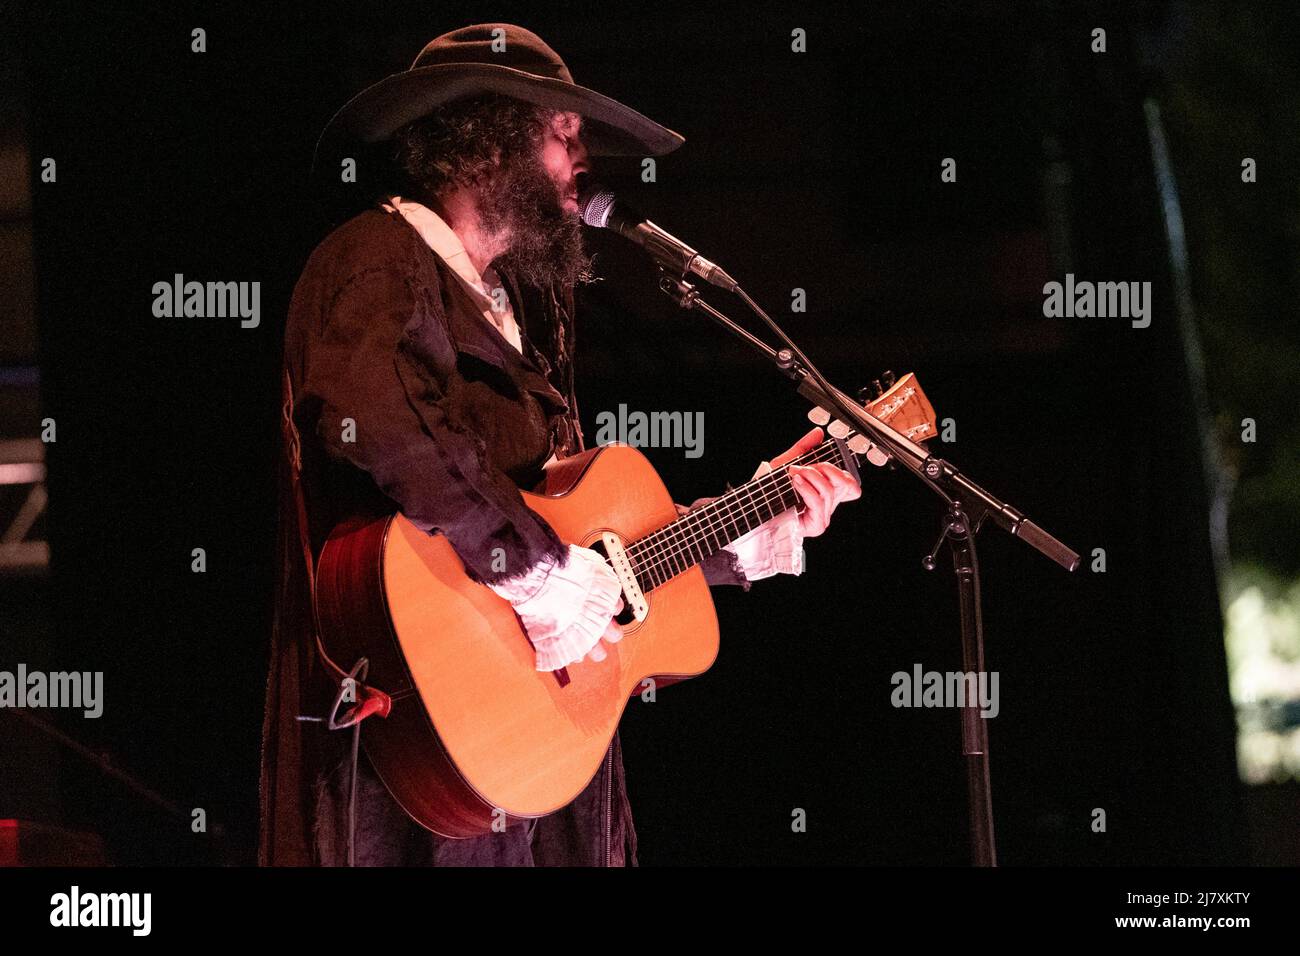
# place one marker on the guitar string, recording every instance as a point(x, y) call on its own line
point(699, 535)
point(679, 537)
point(728, 505)
point(671, 550)
point(673, 544)
point(665, 547)
point(724, 518)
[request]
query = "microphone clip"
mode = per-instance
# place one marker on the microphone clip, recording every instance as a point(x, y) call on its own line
point(678, 289)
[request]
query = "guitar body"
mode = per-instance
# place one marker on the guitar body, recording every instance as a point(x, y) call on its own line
point(474, 728)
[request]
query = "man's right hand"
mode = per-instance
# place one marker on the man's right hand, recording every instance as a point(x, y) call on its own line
point(567, 608)
point(613, 634)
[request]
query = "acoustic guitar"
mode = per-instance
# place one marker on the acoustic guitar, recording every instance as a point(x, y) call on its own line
point(475, 732)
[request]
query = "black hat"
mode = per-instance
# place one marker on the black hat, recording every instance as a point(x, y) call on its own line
point(491, 58)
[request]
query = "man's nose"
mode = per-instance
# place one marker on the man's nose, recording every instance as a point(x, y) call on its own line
point(578, 158)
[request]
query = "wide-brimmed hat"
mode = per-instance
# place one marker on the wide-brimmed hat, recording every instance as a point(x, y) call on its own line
point(490, 58)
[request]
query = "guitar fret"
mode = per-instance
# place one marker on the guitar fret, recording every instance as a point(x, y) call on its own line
point(661, 555)
point(680, 545)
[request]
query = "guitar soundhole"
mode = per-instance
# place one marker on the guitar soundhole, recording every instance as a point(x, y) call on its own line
point(625, 616)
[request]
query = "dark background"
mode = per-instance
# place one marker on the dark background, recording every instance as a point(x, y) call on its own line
point(818, 171)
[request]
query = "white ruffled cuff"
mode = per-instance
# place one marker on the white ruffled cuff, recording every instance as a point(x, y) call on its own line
point(774, 547)
point(564, 608)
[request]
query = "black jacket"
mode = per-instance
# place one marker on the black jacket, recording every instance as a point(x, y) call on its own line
point(406, 399)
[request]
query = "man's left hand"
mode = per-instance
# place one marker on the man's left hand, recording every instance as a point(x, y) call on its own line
point(822, 486)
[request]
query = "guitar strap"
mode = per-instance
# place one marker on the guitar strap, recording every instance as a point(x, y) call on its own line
point(369, 700)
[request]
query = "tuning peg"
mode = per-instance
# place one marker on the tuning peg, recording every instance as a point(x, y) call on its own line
point(819, 416)
point(888, 379)
point(861, 445)
point(869, 393)
point(839, 430)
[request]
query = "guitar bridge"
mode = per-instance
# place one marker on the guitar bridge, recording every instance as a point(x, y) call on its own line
point(618, 560)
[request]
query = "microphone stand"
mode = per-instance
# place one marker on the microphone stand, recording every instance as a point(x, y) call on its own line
point(967, 506)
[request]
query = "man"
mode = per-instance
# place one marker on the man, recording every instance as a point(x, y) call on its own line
point(429, 349)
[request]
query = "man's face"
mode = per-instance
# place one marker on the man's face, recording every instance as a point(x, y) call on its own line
point(565, 157)
point(533, 201)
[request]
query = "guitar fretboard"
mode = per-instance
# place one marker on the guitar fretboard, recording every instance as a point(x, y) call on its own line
point(662, 555)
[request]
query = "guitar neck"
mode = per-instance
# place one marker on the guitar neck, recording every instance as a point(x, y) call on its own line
point(677, 547)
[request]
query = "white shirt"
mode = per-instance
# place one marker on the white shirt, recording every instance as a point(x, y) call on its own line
point(486, 289)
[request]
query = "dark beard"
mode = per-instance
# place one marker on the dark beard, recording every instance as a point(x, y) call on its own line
point(546, 243)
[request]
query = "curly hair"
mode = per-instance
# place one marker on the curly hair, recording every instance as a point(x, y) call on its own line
point(461, 142)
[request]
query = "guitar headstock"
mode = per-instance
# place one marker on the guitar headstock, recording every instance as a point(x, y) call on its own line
point(900, 404)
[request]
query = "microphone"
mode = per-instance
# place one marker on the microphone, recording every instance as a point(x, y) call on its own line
point(599, 209)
